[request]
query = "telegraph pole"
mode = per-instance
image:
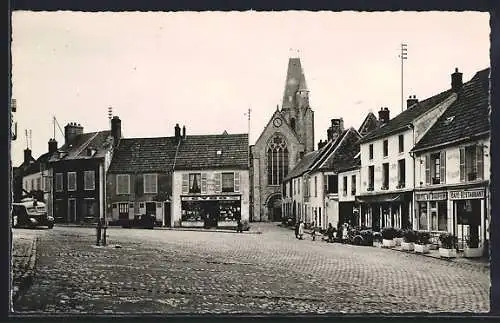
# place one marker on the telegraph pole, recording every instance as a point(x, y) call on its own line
point(402, 56)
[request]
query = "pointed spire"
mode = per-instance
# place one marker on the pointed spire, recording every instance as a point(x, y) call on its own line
point(302, 83)
point(294, 77)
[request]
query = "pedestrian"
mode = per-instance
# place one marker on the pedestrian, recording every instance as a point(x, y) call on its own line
point(239, 227)
point(313, 232)
point(345, 230)
point(301, 230)
point(329, 233)
point(297, 225)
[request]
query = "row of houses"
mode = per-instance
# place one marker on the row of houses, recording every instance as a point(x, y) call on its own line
point(428, 168)
point(181, 180)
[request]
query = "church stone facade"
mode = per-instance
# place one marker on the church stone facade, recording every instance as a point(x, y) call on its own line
point(288, 135)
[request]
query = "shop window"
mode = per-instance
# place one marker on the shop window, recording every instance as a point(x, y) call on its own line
point(150, 183)
point(229, 210)
point(89, 180)
point(442, 216)
point(194, 183)
point(385, 176)
point(422, 216)
point(71, 181)
point(370, 154)
point(371, 177)
point(401, 173)
point(471, 163)
point(122, 184)
point(227, 182)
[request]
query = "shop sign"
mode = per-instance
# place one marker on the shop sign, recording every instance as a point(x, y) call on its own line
point(466, 195)
point(210, 198)
point(431, 196)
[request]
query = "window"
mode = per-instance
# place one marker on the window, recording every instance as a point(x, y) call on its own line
point(370, 151)
point(122, 184)
point(422, 216)
point(332, 184)
point(71, 181)
point(471, 163)
point(89, 208)
point(401, 173)
point(344, 187)
point(442, 216)
point(228, 182)
point(371, 177)
point(386, 148)
point(194, 183)
point(353, 185)
point(298, 185)
point(315, 186)
point(277, 160)
point(290, 187)
point(401, 143)
point(435, 169)
point(38, 183)
point(89, 180)
point(150, 183)
point(59, 182)
point(385, 176)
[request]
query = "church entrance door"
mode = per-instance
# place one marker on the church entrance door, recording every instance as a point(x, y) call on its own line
point(274, 208)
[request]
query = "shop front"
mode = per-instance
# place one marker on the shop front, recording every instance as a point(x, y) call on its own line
point(210, 211)
point(431, 211)
point(385, 210)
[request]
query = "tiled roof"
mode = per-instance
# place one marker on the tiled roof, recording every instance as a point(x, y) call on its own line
point(144, 155)
point(406, 117)
point(201, 152)
point(77, 148)
point(369, 124)
point(351, 165)
point(343, 156)
point(35, 167)
point(466, 117)
point(304, 164)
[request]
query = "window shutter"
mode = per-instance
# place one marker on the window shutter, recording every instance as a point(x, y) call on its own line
point(427, 169)
point(236, 181)
point(185, 183)
point(462, 164)
point(203, 183)
point(442, 164)
point(479, 160)
point(218, 184)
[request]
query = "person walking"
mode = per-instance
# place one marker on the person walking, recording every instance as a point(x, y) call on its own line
point(297, 225)
point(239, 227)
point(313, 231)
point(301, 230)
point(329, 233)
point(345, 230)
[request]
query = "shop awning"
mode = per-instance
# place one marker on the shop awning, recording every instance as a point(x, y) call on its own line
point(383, 198)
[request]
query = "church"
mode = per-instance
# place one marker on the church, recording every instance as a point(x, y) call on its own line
point(288, 135)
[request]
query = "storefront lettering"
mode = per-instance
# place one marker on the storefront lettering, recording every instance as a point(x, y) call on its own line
point(210, 198)
point(465, 195)
point(432, 196)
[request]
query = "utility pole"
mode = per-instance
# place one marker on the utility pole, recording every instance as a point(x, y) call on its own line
point(402, 56)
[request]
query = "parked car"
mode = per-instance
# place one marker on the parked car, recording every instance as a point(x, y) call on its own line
point(31, 213)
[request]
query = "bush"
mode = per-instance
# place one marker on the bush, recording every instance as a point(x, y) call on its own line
point(398, 233)
point(388, 233)
point(367, 236)
point(448, 241)
point(423, 237)
point(409, 236)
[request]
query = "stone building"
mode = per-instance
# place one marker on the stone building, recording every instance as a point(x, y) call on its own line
point(288, 135)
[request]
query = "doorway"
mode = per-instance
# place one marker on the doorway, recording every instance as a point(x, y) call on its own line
point(211, 214)
point(167, 214)
point(151, 208)
point(274, 208)
point(375, 217)
point(72, 210)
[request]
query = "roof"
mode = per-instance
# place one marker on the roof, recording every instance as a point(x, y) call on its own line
point(303, 165)
point(406, 117)
point(369, 124)
point(144, 155)
point(202, 151)
point(467, 117)
point(342, 157)
point(76, 148)
point(295, 80)
point(36, 167)
point(163, 154)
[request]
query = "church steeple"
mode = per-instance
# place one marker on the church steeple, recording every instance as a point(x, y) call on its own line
point(295, 81)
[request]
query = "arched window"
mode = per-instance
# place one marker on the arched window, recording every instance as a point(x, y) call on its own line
point(292, 123)
point(277, 160)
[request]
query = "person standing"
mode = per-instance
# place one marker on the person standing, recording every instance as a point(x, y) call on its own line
point(329, 233)
point(313, 231)
point(345, 230)
point(301, 230)
point(297, 225)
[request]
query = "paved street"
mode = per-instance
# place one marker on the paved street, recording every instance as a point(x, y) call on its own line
point(213, 272)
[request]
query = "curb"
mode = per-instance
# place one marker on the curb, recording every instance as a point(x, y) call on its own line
point(161, 228)
point(26, 278)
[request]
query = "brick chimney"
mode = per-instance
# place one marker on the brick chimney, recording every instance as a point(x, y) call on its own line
point(52, 146)
point(456, 80)
point(337, 127)
point(71, 130)
point(328, 134)
point(320, 144)
point(383, 115)
point(27, 156)
point(116, 130)
point(177, 131)
point(411, 101)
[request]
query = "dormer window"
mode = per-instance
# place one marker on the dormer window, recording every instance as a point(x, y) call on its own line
point(448, 120)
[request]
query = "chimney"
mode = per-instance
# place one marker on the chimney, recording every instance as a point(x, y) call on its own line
point(177, 131)
point(329, 134)
point(183, 132)
point(456, 81)
point(411, 101)
point(71, 130)
point(27, 156)
point(336, 128)
point(116, 130)
point(383, 115)
point(320, 144)
point(52, 146)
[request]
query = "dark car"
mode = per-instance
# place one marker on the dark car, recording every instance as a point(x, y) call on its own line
point(31, 214)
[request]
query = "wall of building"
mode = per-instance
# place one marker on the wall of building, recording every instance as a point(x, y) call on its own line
point(349, 197)
point(211, 190)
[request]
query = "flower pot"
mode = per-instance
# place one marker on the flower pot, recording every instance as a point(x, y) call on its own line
point(473, 252)
point(377, 244)
point(421, 248)
point(398, 241)
point(447, 253)
point(386, 243)
point(407, 246)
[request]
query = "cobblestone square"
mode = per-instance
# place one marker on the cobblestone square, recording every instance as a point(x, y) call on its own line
point(169, 271)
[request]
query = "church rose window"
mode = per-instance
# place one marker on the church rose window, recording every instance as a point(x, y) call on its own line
point(277, 160)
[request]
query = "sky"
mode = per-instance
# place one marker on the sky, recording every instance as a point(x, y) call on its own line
point(204, 70)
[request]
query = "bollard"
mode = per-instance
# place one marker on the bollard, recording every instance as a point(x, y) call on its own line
point(98, 232)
